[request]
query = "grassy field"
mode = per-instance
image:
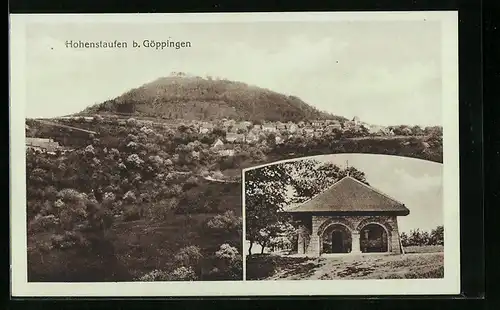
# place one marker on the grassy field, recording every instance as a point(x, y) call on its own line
point(409, 266)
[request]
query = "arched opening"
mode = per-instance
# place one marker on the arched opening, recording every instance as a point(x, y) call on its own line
point(373, 238)
point(336, 239)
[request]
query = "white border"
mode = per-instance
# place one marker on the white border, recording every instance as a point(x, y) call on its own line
point(449, 285)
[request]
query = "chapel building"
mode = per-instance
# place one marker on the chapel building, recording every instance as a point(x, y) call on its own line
point(349, 217)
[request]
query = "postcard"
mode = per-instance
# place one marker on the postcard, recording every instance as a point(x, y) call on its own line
point(234, 154)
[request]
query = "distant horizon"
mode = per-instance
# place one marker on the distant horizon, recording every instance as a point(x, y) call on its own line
point(222, 78)
point(338, 67)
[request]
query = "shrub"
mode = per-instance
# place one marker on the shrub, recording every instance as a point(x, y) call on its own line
point(189, 256)
point(132, 145)
point(146, 130)
point(227, 252)
point(68, 240)
point(161, 210)
point(135, 160)
point(191, 182)
point(132, 122)
point(155, 275)
point(108, 197)
point(43, 223)
point(172, 191)
point(131, 213)
point(227, 221)
point(182, 274)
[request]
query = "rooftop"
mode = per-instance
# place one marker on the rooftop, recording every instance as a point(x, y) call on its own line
point(351, 195)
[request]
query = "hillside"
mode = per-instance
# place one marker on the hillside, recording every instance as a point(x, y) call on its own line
point(125, 200)
point(195, 98)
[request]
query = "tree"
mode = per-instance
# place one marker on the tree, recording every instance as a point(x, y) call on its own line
point(267, 234)
point(267, 190)
point(189, 256)
point(415, 237)
point(310, 177)
point(404, 239)
point(227, 222)
point(437, 236)
point(417, 130)
point(265, 196)
point(424, 238)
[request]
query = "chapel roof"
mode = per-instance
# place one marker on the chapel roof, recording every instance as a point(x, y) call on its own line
point(351, 195)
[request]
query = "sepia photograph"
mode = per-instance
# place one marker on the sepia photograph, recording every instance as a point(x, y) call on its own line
point(200, 154)
point(345, 216)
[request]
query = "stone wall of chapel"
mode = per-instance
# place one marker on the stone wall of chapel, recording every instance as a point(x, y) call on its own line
point(354, 224)
point(304, 237)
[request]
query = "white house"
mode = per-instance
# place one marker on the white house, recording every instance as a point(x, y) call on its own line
point(280, 126)
point(333, 127)
point(48, 145)
point(218, 144)
point(269, 128)
point(251, 138)
point(235, 137)
point(226, 152)
point(206, 128)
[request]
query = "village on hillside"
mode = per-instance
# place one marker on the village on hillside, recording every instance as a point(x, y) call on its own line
point(238, 132)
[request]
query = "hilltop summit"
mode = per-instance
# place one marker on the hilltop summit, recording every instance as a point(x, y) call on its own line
point(181, 96)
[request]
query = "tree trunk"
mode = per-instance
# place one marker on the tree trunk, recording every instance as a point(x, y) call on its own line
point(250, 248)
point(263, 245)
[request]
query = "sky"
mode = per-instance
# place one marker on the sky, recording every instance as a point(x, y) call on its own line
point(384, 72)
point(416, 183)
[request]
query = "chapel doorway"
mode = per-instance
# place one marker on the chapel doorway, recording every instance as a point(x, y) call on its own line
point(336, 239)
point(374, 239)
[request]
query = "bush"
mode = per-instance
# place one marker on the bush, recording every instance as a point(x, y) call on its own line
point(135, 160)
point(160, 211)
point(227, 222)
point(227, 252)
point(69, 195)
point(132, 122)
point(43, 223)
point(131, 213)
point(226, 264)
point(68, 240)
point(155, 275)
point(189, 256)
point(183, 274)
point(178, 274)
point(191, 182)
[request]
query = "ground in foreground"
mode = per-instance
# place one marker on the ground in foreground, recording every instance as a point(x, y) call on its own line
point(408, 266)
